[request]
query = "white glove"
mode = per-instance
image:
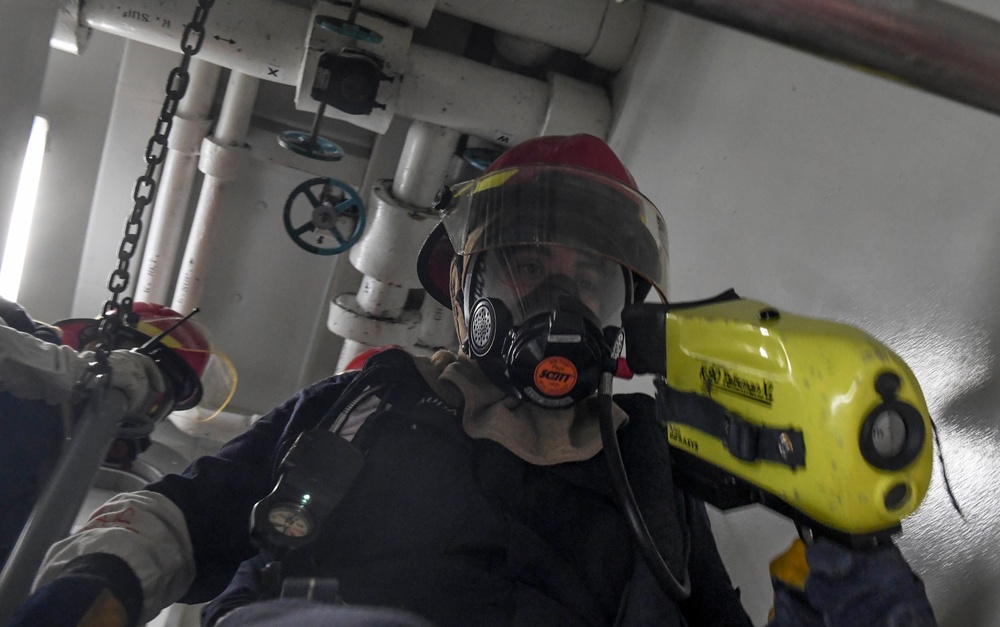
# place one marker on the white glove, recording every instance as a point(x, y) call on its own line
point(34, 369)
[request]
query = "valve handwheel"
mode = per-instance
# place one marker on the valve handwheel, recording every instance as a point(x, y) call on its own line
point(336, 216)
point(310, 145)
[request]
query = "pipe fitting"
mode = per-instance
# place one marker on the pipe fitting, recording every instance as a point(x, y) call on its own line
point(69, 34)
point(392, 240)
point(600, 30)
point(576, 107)
point(187, 135)
point(348, 320)
point(222, 161)
point(615, 40)
point(381, 300)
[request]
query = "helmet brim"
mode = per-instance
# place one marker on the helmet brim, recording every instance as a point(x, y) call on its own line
point(434, 265)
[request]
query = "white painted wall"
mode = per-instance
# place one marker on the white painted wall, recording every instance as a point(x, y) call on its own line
point(76, 97)
point(25, 26)
point(832, 193)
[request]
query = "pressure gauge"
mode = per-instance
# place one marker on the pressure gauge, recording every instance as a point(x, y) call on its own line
point(317, 472)
point(290, 519)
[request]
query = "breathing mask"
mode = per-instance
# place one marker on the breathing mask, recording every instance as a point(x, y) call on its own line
point(541, 319)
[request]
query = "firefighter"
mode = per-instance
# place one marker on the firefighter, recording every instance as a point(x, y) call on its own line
point(468, 488)
point(37, 378)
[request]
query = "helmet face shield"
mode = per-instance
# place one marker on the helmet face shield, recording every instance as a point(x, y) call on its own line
point(192, 342)
point(536, 279)
point(563, 206)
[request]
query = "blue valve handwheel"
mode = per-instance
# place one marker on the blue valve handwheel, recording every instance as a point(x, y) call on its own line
point(354, 31)
point(480, 158)
point(336, 216)
point(302, 143)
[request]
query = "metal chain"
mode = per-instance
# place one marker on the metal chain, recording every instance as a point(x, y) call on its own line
point(116, 313)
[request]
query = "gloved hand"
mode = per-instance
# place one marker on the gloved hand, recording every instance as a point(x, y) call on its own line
point(138, 378)
point(829, 585)
point(32, 369)
point(95, 590)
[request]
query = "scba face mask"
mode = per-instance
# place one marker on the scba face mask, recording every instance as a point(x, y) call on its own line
point(541, 319)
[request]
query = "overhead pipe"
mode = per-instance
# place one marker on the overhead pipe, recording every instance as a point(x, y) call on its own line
point(401, 218)
point(260, 38)
point(265, 38)
point(180, 166)
point(223, 156)
point(600, 31)
point(507, 108)
point(934, 46)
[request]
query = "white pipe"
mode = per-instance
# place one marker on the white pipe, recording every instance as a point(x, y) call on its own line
point(400, 215)
point(176, 182)
point(381, 300)
point(260, 38)
point(437, 87)
point(69, 34)
point(237, 109)
point(350, 350)
point(494, 104)
point(602, 31)
point(521, 51)
point(437, 325)
point(425, 159)
point(223, 156)
point(388, 251)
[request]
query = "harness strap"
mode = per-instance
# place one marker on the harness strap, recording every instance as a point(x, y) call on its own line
point(744, 440)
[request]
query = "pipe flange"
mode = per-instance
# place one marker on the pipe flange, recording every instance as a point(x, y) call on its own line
point(395, 231)
point(348, 320)
point(186, 135)
point(222, 161)
point(383, 193)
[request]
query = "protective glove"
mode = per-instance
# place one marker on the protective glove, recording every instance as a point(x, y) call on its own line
point(32, 369)
point(95, 590)
point(829, 585)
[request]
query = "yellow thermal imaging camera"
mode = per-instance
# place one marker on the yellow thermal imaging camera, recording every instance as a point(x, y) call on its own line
point(816, 420)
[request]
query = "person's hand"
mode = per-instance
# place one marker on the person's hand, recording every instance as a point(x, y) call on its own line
point(138, 378)
point(96, 590)
point(33, 369)
point(828, 584)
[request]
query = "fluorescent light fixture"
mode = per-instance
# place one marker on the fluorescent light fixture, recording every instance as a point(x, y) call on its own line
point(24, 208)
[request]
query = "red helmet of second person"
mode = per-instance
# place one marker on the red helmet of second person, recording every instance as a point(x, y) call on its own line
point(192, 365)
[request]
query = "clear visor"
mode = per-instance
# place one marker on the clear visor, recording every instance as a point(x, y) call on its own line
point(536, 279)
point(192, 342)
point(564, 206)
